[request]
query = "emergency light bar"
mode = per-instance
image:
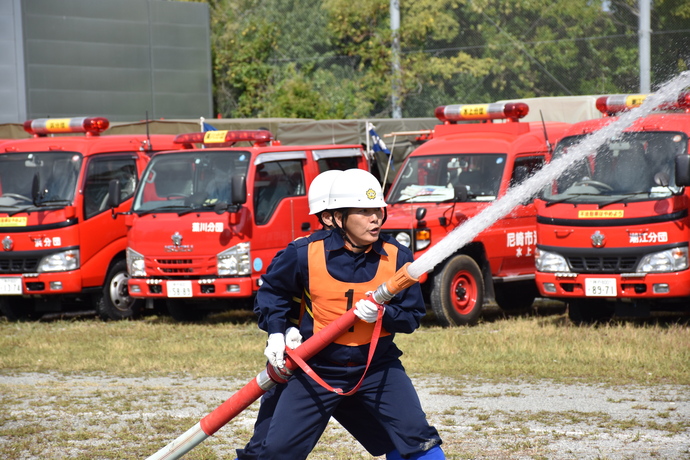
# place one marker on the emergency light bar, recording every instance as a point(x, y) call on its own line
point(495, 111)
point(617, 103)
point(224, 138)
point(44, 126)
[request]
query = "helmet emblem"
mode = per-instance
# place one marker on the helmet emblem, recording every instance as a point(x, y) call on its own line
point(371, 194)
point(598, 239)
point(7, 244)
point(176, 238)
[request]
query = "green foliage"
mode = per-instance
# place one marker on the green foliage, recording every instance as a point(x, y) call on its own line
point(334, 58)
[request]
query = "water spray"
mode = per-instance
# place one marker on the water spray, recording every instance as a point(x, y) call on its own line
point(466, 232)
point(411, 272)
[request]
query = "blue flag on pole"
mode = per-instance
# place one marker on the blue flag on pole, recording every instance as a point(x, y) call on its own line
point(376, 142)
point(205, 126)
point(378, 145)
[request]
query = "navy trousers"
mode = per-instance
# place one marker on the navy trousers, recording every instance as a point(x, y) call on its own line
point(386, 395)
point(367, 430)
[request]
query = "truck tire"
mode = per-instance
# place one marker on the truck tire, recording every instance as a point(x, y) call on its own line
point(516, 297)
point(115, 303)
point(589, 311)
point(457, 295)
point(16, 308)
point(183, 311)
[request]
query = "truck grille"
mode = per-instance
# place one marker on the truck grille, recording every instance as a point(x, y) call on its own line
point(186, 266)
point(18, 265)
point(605, 264)
point(175, 266)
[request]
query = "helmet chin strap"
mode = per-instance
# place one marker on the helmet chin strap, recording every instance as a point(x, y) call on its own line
point(350, 243)
point(343, 233)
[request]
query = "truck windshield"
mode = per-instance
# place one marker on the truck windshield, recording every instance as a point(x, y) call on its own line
point(174, 182)
point(633, 167)
point(56, 173)
point(437, 178)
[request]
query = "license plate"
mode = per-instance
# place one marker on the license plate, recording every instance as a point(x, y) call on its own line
point(179, 288)
point(600, 287)
point(10, 286)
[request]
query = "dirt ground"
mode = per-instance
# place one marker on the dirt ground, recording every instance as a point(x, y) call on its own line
point(85, 417)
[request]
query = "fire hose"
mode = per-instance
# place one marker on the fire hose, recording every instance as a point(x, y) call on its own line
point(410, 273)
point(270, 377)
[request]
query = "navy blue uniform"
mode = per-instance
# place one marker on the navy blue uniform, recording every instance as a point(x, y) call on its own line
point(387, 393)
point(368, 431)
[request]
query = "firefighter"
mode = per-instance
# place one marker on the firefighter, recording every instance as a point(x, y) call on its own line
point(331, 271)
point(368, 431)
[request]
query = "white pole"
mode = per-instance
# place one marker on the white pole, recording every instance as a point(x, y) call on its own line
point(395, 53)
point(644, 33)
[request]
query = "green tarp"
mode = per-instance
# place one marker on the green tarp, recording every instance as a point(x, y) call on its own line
point(13, 131)
point(355, 132)
point(188, 126)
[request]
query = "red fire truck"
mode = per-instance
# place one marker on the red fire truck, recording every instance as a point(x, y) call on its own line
point(449, 179)
point(206, 222)
point(613, 231)
point(60, 242)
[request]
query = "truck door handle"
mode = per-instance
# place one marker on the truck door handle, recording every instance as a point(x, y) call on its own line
point(306, 226)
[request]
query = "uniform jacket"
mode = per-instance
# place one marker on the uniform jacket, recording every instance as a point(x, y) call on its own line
point(287, 281)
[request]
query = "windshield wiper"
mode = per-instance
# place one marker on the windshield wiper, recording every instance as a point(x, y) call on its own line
point(18, 210)
point(403, 200)
point(618, 200)
point(152, 211)
point(219, 207)
point(40, 204)
point(569, 197)
point(197, 209)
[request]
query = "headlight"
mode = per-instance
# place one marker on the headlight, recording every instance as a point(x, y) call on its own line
point(135, 263)
point(422, 239)
point(234, 261)
point(60, 262)
point(403, 238)
point(671, 260)
point(550, 262)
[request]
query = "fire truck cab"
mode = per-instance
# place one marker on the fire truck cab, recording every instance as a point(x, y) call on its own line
point(452, 177)
point(59, 239)
point(206, 222)
point(613, 231)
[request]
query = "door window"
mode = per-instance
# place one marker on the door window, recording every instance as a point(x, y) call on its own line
point(274, 181)
point(98, 176)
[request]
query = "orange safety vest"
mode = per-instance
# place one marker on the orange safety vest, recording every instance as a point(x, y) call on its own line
point(331, 298)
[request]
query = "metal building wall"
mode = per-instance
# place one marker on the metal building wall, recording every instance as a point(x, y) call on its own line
point(12, 90)
point(122, 59)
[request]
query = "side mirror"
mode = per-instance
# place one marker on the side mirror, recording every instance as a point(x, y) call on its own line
point(420, 213)
point(682, 170)
point(114, 190)
point(239, 189)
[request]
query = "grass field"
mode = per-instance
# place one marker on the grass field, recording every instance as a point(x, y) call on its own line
point(535, 347)
point(144, 364)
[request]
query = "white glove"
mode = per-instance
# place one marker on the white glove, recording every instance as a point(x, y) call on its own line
point(293, 338)
point(275, 349)
point(366, 310)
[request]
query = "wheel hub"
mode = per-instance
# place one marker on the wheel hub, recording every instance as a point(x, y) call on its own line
point(460, 292)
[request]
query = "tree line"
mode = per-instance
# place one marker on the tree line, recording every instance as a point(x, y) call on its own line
point(328, 59)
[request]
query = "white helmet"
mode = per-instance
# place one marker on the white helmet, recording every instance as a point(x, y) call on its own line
point(356, 188)
point(319, 190)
